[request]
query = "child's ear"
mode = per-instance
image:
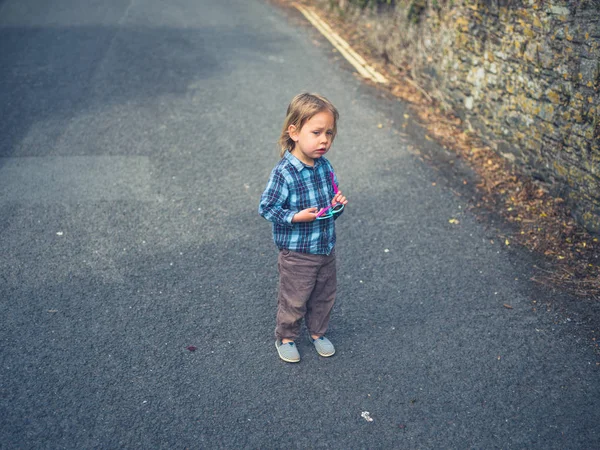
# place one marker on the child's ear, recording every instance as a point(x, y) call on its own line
point(293, 132)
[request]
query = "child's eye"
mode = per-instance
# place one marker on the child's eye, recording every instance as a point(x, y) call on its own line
point(330, 133)
point(316, 133)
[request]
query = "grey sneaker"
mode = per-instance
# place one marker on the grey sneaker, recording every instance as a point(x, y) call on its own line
point(323, 346)
point(288, 352)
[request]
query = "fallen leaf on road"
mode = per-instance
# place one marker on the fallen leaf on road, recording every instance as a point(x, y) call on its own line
point(191, 348)
point(507, 306)
point(454, 221)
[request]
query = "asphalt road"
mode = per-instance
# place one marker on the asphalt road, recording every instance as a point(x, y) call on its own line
point(135, 141)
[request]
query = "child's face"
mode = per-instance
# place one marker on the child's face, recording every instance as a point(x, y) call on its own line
point(314, 139)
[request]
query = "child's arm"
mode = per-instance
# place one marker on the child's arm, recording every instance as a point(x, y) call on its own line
point(273, 203)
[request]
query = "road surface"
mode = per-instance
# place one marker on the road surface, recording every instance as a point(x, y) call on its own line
point(135, 141)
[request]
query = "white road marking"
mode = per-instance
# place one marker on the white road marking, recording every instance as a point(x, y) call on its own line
point(363, 68)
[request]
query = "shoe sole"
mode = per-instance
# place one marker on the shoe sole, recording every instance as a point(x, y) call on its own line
point(286, 359)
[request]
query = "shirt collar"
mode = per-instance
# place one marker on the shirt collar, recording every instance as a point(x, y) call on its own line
point(299, 165)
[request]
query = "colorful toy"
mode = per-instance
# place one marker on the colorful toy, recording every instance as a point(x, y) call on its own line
point(331, 209)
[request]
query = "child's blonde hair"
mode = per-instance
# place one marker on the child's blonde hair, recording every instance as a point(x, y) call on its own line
point(302, 108)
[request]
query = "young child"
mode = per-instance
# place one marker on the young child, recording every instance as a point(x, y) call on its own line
point(303, 202)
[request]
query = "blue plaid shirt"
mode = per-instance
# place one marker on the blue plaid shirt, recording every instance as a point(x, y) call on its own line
point(292, 187)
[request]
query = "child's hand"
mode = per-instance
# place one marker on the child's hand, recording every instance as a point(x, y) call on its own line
point(306, 215)
point(339, 198)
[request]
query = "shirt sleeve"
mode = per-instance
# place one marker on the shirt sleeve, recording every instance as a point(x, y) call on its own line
point(273, 201)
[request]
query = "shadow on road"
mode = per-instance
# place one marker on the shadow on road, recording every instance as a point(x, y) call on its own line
point(51, 75)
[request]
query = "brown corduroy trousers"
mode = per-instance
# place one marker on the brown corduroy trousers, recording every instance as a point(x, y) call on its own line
point(307, 287)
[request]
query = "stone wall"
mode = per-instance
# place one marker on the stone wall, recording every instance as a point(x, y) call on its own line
point(524, 73)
